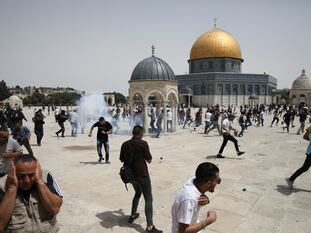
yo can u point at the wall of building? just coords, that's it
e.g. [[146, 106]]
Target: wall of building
[[215, 65]]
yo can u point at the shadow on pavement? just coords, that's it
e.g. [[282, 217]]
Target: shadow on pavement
[[92, 163], [215, 157], [285, 190], [79, 147], [110, 219]]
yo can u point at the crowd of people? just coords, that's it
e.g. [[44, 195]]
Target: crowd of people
[[26, 190]]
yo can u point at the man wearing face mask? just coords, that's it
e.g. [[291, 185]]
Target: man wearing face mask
[[9, 149], [29, 198], [187, 204]]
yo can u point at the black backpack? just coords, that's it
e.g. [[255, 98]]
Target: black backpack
[[126, 172]]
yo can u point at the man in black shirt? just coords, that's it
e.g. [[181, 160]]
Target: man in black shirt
[[286, 119], [135, 153], [104, 128], [61, 118]]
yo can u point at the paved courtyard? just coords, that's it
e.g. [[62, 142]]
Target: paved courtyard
[[252, 198]]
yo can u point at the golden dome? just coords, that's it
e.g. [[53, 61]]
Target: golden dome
[[215, 43]]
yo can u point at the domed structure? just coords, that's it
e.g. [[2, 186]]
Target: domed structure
[[215, 74], [300, 94], [153, 89], [14, 101], [302, 82], [152, 68], [216, 43], [215, 51]]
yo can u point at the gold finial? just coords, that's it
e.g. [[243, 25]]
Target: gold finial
[[215, 21], [152, 50]]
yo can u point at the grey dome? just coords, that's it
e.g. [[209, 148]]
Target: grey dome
[[302, 82], [152, 68], [186, 91]]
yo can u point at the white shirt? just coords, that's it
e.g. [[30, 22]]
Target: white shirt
[[226, 124], [11, 145], [74, 117], [185, 208], [169, 116], [208, 116]]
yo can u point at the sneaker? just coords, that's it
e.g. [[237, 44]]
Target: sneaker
[[133, 217], [289, 182], [108, 162], [220, 156], [100, 160], [153, 230], [56, 134], [241, 152]]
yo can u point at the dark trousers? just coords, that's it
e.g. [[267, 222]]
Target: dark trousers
[[248, 123], [152, 125], [301, 127], [26, 143], [186, 121], [275, 119], [242, 125], [207, 125], [39, 134], [159, 129], [287, 126], [228, 137], [142, 185], [305, 167], [62, 129], [214, 126], [100, 144]]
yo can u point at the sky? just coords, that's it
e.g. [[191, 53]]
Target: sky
[[94, 45]]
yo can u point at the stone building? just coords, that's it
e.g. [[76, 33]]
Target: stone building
[[153, 85], [215, 75], [300, 94]]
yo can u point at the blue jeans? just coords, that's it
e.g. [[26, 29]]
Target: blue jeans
[[142, 185], [100, 144], [242, 129], [74, 129]]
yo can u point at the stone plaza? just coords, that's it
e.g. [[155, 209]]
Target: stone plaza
[[252, 198]]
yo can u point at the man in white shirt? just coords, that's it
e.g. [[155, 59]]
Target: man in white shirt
[[226, 127], [9, 149], [187, 204], [169, 120], [208, 116]]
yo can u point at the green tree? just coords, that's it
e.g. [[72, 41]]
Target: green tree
[[64, 98], [4, 91], [35, 99], [119, 98]]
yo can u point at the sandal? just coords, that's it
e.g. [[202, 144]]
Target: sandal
[[133, 217]]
